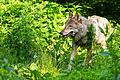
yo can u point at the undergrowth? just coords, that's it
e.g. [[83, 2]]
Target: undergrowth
[[31, 47]]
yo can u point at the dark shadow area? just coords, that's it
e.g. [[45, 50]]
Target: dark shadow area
[[19, 43], [108, 9]]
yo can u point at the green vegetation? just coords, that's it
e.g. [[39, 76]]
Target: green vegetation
[[31, 47]]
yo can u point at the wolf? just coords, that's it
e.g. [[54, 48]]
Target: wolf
[[85, 32]]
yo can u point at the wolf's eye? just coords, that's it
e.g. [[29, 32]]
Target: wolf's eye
[[70, 25]]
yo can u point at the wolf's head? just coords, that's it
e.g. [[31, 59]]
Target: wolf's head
[[72, 25]]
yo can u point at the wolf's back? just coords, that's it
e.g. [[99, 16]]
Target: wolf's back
[[103, 27]]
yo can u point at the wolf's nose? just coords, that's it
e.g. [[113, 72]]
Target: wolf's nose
[[61, 32]]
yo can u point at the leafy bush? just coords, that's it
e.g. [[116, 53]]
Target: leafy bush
[[32, 48]]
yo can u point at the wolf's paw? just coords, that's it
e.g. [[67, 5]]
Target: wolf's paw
[[69, 67]]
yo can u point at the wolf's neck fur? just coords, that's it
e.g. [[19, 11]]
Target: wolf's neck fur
[[82, 30]]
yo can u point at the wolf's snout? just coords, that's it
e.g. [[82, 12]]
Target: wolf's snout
[[63, 33]]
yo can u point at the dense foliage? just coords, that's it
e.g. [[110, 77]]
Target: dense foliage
[[31, 47]]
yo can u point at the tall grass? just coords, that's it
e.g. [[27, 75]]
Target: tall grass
[[32, 48]]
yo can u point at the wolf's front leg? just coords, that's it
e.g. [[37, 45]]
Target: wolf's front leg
[[74, 46]]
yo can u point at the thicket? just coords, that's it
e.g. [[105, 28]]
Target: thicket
[[31, 47]]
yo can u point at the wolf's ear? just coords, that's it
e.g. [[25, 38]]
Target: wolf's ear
[[77, 16], [80, 21], [88, 17], [70, 14]]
